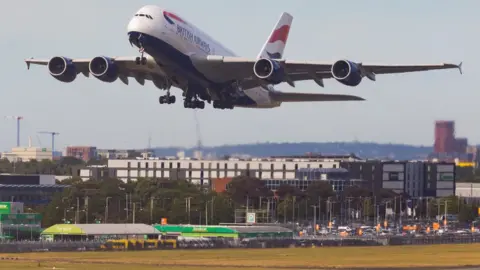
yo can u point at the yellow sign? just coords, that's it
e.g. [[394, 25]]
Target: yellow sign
[[478, 211], [465, 164], [3, 206]]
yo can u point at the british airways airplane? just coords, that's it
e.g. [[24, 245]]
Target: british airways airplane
[[173, 52]]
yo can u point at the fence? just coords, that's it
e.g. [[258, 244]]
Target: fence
[[31, 246], [41, 246]]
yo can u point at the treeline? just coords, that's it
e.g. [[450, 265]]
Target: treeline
[[180, 202], [63, 166]]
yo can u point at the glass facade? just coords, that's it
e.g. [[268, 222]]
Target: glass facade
[[30, 194], [337, 177]]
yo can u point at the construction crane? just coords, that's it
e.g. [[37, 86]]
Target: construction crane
[[18, 118], [53, 133]]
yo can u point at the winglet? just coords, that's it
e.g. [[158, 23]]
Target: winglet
[[28, 63], [460, 67]]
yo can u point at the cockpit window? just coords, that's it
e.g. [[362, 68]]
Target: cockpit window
[[144, 15]]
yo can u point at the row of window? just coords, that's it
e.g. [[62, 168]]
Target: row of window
[[225, 166], [337, 185], [144, 15]]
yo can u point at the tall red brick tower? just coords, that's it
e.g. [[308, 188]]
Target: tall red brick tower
[[444, 137]]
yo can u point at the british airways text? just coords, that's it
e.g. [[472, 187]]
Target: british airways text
[[190, 37]]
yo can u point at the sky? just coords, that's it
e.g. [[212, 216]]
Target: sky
[[399, 108]]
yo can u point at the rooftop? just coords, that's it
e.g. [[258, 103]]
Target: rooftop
[[101, 229]]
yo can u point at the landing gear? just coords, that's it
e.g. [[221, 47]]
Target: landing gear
[[192, 101], [217, 104], [194, 104], [167, 99], [141, 60]]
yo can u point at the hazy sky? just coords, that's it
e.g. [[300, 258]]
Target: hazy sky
[[399, 108]]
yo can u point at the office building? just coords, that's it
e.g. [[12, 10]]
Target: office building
[[28, 189], [84, 153], [444, 137], [415, 178]]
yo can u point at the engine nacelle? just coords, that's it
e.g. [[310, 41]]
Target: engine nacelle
[[62, 69], [104, 69], [269, 70], [347, 72]]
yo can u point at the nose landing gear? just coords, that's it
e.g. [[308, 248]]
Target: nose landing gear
[[142, 60]]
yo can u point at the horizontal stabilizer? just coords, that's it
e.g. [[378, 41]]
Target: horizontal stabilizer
[[307, 97]]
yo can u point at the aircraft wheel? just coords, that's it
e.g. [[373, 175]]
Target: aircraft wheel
[[171, 99], [161, 100], [143, 60]]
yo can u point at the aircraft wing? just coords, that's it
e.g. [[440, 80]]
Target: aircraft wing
[[127, 68], [307, 97], [241, 69]]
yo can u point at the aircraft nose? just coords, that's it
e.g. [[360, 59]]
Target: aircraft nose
[[139, 25]]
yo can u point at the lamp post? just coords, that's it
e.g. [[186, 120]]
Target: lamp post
[[151, 209], [314, 219], [106, 208]]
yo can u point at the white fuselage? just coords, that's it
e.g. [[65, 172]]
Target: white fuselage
[[175, 44]]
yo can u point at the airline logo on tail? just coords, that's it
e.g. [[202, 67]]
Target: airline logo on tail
[[279, 35], [275, 44]]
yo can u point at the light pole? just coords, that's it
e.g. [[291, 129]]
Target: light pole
[[77, 212], [64, 210], [187, 207], [134, 209], [151, 209], [314, 219], [106, 208]]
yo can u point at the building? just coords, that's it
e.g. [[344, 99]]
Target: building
[[444, 137], [236, 232], [84, 153], [118, 153], [28, 153], [76, 232], [16, 224], [416, 178], [337, 177], [96, 172], [28, 189], [461, 145], [201, 171]]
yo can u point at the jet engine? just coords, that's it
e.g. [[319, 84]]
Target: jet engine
[[269, 70], [62, 69], [104, 69], [347, 72]]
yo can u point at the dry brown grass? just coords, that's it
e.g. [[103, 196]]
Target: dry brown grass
[[298, 258]]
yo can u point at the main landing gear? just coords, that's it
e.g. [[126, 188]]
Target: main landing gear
[[167, 99], [192, 101], [194, 104]]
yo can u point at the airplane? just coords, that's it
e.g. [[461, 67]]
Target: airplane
[[173, 52]]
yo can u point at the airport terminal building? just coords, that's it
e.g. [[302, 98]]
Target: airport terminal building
[[416, 178]]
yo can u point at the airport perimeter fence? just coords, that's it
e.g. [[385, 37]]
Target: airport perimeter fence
[[42, 246], [63, 246], [434, 240]]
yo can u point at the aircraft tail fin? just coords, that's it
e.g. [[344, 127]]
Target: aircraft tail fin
[[275, 44]]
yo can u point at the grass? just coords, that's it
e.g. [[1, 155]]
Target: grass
[[249, 259]]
